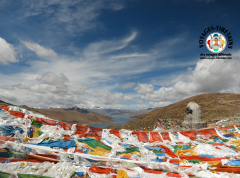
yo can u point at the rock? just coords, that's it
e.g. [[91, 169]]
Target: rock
[[193, 116]]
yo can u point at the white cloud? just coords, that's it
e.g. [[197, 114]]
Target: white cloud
[[94, 69], [22, 86], [159, 104], [208, 76], [49, 99], [41, 51], [8, 97], [98, 71], [94, 50], [98, 65], [144, 89], [108, 98], [43, 88], [139, 101], [7, 52], [162, 95], [128, 85], [7, 87], [52, 79], [50, 83], [128, 55], [128, 98], [77, 89]]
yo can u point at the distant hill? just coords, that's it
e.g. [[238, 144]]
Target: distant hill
[[135, 114], [122, 112], [73, 115], [208, 103], [78, 110], [110, 112]]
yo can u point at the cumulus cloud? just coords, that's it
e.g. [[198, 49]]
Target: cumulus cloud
[[128, 85], [139, 101], [45, 88], [164, 95], [22, 86], [50, 83], [7, 96], [52, 78], [144, 89], [159, 104], [41, 51], [7, 87], [77, 89], [208, 76], [7, 52], [128, 98], [49, 99], [108, 98]]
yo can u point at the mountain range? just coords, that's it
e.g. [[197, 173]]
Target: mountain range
[[73, 115], [122, 112]]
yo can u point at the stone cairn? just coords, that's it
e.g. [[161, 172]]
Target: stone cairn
[[193, 117]]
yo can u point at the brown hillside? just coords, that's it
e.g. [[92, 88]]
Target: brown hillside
[[135, 114], [72, 116], [112, 127], [208, 103]]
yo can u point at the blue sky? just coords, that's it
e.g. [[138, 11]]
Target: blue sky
[[131, 54]]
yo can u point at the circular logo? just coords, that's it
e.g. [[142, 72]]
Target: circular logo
[[216, 42]]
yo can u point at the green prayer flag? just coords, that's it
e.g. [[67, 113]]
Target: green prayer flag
[[224, 140], [4, 175], [40, 133], [194, 161], [35, 124], [10, 154], [31, 176], [130, 150]]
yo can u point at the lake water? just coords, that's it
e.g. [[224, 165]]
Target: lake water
[[120, 119]]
